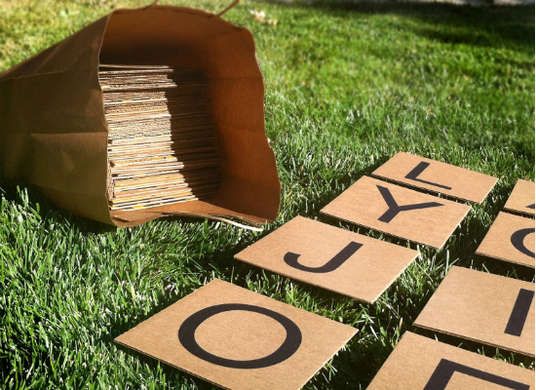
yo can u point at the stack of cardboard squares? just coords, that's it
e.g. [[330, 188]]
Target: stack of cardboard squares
[[162, 145]]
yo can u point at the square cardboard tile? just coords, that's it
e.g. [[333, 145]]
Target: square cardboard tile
[[436, 176], [325, 256], [235, 338], [521, 199], [422, 363], [486, 308], [510, 238], [398, 211]]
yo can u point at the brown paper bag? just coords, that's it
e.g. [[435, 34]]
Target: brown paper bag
[[53, 131]]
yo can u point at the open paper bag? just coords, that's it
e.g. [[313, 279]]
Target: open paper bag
[[54, 132]]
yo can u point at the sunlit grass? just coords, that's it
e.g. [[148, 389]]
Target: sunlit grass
[[346, 87]]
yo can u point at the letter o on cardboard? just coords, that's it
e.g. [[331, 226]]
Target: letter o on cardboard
[[288, 347]]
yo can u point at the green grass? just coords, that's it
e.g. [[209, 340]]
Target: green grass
[[346, 87]]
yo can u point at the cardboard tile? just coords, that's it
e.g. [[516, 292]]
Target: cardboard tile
[[422, 363], [510, 238], [521, 199], [398, 211], [238, 339], [325, 256], [486, 308], [436, 176]]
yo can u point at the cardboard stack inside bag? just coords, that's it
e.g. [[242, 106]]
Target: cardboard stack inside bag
[[162, 145]]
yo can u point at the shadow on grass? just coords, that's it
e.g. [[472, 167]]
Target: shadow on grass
[[447, 23], [36, 201], [171, 373], [511, 357]]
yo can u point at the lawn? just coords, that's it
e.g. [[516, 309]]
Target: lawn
[[347, 86]]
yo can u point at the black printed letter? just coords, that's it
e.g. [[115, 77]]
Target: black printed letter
[[519, 312], [419, 168], [446, 368], [334, 263], [394, 208], [290, 344], [517, 239]]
